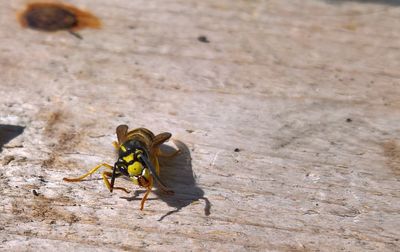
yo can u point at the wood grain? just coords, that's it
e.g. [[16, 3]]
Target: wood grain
[[308, 91]]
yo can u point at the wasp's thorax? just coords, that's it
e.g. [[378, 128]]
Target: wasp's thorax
[[129, 162]]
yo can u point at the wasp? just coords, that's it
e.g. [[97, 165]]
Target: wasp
[[138, 152]]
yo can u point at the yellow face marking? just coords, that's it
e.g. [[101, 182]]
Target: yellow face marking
[[135, 169], [123, 148], [135, 180], [128, 158], [146, 174], [138, 152]]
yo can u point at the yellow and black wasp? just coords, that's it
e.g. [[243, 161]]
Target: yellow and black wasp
[[138, 152]]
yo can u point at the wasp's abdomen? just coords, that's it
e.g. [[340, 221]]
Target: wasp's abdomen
[[142, 135]]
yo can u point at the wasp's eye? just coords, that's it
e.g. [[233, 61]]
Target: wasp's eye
[[122, 168]]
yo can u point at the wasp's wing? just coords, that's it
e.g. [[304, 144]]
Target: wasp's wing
[[121, 133], [161, 138]]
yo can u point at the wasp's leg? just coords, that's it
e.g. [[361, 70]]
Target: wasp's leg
[[116, 145], [89, 173], [169, 155], [107, 175], [148, 190], [145, 198]]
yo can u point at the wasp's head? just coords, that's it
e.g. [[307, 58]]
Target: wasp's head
[[133, 162], [131, 165]]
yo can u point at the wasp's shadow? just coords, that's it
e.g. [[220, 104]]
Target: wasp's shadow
[[177, 173], [9, 132]]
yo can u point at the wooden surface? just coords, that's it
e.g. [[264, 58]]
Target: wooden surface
[[307, 90]]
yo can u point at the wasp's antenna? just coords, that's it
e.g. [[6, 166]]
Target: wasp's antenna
[[113, 178], [154, 174]]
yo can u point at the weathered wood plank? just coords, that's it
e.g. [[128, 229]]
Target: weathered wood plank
[[307, 91]]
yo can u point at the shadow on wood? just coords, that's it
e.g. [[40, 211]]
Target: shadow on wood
[[8, 132], [178, 174]]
